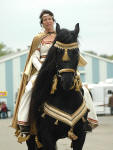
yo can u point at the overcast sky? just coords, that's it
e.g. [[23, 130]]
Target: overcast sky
[[19, 22]]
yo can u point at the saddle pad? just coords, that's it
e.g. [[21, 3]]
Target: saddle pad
[[64, 117]]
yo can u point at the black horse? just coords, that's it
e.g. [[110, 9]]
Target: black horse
[[57, 104]]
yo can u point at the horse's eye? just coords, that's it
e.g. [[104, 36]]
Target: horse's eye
[[60, 51], [72, 52]]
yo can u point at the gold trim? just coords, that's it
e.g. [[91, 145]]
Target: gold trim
[[45, 15], [65, 56], [43, 56], [54, 86], [66, 46], [62, 116], [66, 70], [38, 142], [23, 138]]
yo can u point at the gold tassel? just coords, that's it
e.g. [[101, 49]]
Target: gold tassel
[[17, 132], [65, 56], [71, 135], [77, 86], [43, 115], [80, 84], [54, 84], [83, 119], [39, 145], [79, 81], [71, 88], [71, 144], [22, 138], [56, 122]]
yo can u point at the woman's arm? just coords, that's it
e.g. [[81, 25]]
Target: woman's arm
[[36, 60]]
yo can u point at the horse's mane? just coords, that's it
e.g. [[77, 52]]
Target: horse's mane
[[43, 83]]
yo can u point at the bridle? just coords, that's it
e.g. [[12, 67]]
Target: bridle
[[65, 57], [77, 82], [66, 70], [59, 72]]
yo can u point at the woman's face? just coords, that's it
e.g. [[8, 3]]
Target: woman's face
[[48, 23]]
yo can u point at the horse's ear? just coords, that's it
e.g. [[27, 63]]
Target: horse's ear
[[76, 30], [57, 28]]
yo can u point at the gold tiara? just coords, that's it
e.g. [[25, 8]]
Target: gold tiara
[[46, 15]]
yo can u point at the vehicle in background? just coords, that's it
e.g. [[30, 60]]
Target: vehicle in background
[[101, 93]]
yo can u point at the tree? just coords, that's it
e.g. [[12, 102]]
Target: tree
[[4, 50], [91, 52], [106, 56], [102, 55]]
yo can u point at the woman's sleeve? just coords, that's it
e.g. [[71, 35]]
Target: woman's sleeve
[[36, 59]]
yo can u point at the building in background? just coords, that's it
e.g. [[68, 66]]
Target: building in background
[[11, 67]]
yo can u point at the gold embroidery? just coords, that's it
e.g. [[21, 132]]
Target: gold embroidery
[[66, 46], [43, 56], [66, 70], [54, 86], [62, 116]]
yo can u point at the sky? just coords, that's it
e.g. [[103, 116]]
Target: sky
[[19, 22]]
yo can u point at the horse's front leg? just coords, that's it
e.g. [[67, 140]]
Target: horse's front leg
[[47, 140], [46, 134], [31, 144], [78, 144]]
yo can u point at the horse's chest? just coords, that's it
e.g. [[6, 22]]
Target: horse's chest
[[66, 103], [63, 116]]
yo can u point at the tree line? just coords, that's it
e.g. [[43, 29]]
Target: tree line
[[4, 50], [110, 57]]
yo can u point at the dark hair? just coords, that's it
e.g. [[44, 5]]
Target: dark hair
[[45, 11]]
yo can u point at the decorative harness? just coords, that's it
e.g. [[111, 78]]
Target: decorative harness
[[59, 115]]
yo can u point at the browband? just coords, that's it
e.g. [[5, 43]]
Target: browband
[[66, 46]]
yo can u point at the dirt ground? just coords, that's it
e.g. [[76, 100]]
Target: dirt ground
[[100, 139]]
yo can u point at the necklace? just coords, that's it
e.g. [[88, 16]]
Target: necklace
[[51, 32]]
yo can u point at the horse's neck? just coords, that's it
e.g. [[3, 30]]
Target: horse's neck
[[67, 101]]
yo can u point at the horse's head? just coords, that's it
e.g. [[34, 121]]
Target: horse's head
[[67, 55]]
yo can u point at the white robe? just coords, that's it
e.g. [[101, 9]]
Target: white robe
[[92, 117], [36, 60]]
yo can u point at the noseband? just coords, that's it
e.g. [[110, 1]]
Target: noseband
[[77, 82], [66, 70]]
